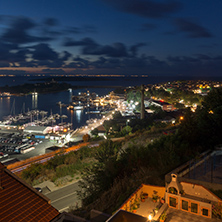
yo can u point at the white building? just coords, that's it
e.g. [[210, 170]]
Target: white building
[[37, 129]]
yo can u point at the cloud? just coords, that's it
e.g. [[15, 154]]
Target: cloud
[[173, 65], [18, 32], [53, 71], [90, 47], [5, 49], [203, 57], [114, 50], [193, 29], [134, 48], [65, 55], [79, 63], [42, 51], [146, 8], [43, 55], [83, 42], [11, 54]]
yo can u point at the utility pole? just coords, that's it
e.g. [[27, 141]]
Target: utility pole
[[142, 102]]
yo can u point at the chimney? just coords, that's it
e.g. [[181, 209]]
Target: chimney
[[142, 102], [174, 183]]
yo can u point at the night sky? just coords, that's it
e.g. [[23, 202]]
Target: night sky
[[152, 37]]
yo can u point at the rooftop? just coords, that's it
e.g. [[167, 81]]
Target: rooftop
[[21, 202]]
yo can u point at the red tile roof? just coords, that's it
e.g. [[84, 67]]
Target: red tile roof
[[21, 202]]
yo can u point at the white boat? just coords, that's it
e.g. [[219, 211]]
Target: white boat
[[78, 107]]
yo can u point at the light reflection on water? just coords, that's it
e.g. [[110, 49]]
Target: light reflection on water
[[34, 100], [46, 102], [78, 115]]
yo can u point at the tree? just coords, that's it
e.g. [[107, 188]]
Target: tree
[[106, 150], [86, 137], [126, 130], [95, 132], [188, 128], [213, 100], [117, 115]]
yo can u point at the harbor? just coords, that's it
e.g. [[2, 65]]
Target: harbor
[[31, 133]]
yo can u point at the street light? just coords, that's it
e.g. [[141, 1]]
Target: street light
[[150, 217]]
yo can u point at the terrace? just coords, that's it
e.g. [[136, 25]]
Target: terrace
[[147, 201]]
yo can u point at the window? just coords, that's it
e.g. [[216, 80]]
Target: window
[[172, 202], [194, 208], [205, 212], [185, 205]]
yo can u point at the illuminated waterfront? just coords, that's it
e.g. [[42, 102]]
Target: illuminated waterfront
[[46, 102]]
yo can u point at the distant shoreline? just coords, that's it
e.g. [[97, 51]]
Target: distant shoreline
[[81, 87], [52, 87], [75, 78]]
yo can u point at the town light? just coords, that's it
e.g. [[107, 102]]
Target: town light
[[150, 217]]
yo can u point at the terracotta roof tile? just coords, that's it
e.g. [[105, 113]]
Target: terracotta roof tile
[[19, 202]]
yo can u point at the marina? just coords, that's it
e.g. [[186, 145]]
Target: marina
[[43, 109], [30, 132]]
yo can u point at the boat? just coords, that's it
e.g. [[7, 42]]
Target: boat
[[78, 107], [93, 112], [71, 107]]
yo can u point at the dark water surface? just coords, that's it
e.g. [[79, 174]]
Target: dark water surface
[[48, 102]]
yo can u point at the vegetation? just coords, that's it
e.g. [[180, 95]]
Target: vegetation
[[114, 170], [117, 176], [175, 96], [86, 138], [163, 216], [59, 166], [37, 87]]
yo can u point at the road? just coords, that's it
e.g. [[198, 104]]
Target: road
[[65, 197]]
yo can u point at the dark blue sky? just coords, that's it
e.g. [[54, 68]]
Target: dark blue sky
[[153, 37]]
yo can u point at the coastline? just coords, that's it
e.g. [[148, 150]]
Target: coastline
[[16, 90]]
